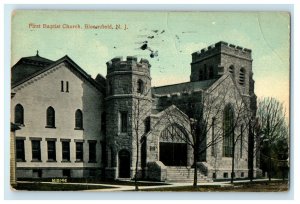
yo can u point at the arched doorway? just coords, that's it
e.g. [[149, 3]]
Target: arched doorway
[[124, 164], [173, 146]]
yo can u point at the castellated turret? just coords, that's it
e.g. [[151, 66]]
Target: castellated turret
[[221, 58], [128, 100], [122, 75]]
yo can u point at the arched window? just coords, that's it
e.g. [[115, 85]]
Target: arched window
[[228, 131], [140, 86], [174, 133], [242, 76], [50, 117], [78, 120], [19, 114], [231, 69]]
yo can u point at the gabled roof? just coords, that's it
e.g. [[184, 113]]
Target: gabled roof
[[65, 59], [171, 109], [223, 78], [220, 80]]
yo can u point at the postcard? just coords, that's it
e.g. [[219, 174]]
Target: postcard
[[149, 101]]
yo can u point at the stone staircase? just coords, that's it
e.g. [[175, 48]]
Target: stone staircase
[[183, 174]]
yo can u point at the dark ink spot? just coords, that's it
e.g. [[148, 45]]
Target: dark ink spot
[[151, 37], [155, 31], [144, 46], [154, 54], [162, 32]]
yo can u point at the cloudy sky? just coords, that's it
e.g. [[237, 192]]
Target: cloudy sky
[[170, 39]]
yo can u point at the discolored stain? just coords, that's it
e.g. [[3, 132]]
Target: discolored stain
[[144, 46]]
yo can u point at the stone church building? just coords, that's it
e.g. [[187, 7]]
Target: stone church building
[[74, 126]]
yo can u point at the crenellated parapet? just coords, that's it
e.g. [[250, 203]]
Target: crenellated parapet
[[130, 64], [221, 48]]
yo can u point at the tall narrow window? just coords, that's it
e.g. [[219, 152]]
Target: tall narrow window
[[78, 120], [147, 124], [242, 76], [65, 151], [67, 86], [231, 69], [79, 151], [140, 86], [51, 151], [123, 122], [228, 131], [36, 150], [92, 151], [19, 114], [50, 117], [62, 86], [213, 145], [20, 150], [241, 140]]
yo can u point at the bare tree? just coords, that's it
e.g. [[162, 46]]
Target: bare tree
[[205, 113], [271, 118], [240, 117], [140, 115]]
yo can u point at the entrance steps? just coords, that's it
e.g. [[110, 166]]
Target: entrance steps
[[183, 174]]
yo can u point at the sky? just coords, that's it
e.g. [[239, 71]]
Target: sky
[[170, 38]]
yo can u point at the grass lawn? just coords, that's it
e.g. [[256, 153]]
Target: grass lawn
[[259, 186], [56, 187]]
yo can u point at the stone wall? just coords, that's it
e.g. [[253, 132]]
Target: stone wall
[[123, 96], [223, 94]]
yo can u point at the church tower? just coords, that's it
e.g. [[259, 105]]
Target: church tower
[[128, 105], [221, 58]]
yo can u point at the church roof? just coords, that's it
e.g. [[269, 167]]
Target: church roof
[[29, 67], [183, 87], [38, 59]]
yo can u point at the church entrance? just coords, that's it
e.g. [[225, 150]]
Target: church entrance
[[173, 146], [173, 154], [124, 164]]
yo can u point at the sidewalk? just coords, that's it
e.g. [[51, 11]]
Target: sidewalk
[[168, 185], [116, 188]]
